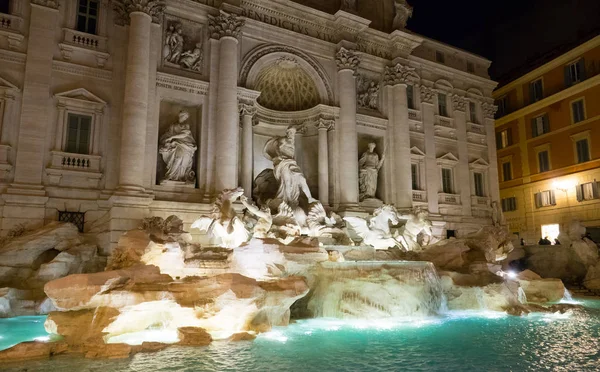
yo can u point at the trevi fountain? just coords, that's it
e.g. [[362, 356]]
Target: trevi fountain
[[285, 283]]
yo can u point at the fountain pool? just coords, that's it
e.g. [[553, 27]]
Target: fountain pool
[[456, 341]]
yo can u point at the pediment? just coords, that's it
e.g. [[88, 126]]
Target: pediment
[[80, 94], [448, 157], [415, 151], [479, 163], [5, 84]]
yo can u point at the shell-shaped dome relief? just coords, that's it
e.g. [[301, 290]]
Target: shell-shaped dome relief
[[285, 86]]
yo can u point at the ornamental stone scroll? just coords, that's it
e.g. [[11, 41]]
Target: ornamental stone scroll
[[122, 8], [225, 24], [489, 110], [346, 59], [399, 74], [459, 103], [427, 95]]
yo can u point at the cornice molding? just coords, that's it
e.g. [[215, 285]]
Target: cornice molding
[[75, 69], [53, 4]]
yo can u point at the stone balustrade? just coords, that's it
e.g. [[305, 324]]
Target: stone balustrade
[[11, 22], [80, 162], [419, 196], [475, 128], [480, 201], [444, 198], [84, 40]]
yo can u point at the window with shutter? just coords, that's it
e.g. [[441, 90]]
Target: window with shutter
[[87, 16], [447, 182], [414, 171], [442, 108], [543, 161], [410, 95], [509, 204], [536, 91], [583, 151], [545, 199], [78, 134], [506, 171], [578, 110], [479, 186], [473, 112]]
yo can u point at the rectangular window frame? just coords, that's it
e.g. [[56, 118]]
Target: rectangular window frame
[[540, 125], [502, 105], [509, 204], [506, 176], [415, 176], [442, 104], [447, 181], [571, 105], [575, 138], [87, 17], [545, 198], [410, 97], [535, 94], [588, 191], [504, 139], [473, 117], [479, 184], [79, 116], [543, 167]]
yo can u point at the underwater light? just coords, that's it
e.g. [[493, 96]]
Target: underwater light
[[41, 339]]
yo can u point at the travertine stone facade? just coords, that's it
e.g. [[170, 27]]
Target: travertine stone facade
[[84, 105]]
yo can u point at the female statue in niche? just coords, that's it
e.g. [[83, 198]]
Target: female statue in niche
[[177, 147], [282, 151], [369, 165]]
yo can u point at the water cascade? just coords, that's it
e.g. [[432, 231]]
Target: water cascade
[[568, 299], [521, 296], [375, 290]]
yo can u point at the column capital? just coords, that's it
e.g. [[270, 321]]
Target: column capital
[[247, 109], [489, 110], [346, 59], [459, 103], [325, 124], [427, 94], [47, 3], [399, 74], [225, 24], [123, 8]]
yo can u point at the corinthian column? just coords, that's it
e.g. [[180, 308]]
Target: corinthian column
[[489, 111], [396, 78], [459, 105], [247, 112], [347, 63], [226, 28], [139, 14], [432, 172], [323, 126]]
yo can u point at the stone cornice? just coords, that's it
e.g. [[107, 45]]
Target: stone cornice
[[399, 74], [225, 24], [47, 3], [75, 69], [123, 8], [346, 59]]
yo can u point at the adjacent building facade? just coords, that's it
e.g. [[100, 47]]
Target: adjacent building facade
[[92, 94], [548, 141]]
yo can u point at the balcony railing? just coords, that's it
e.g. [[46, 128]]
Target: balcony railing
[[475, 128], [480, 201], [85, 40], [419, 195], [77, 162], [444, 198], [10, 22]]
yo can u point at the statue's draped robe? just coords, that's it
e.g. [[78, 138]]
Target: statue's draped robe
[[286, 169], [177, 148], [369, 170]]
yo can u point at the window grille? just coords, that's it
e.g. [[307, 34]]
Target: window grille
[[76, 218]]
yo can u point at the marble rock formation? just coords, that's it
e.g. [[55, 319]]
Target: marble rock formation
[[539, 290], [493, 241], [570, 263], [449, 254], [141, 297], [29, 261], [592, 277]]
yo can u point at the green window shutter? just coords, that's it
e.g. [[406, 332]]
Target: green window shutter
[[552, 198], [509, 136], [534, 132], [568, 81], [546, 123], [581, 65], [595, 189], [498, 140], [579, 190], [531, 92], [538, 199]]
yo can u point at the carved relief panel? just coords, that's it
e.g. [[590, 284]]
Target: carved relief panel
[[183, 44]]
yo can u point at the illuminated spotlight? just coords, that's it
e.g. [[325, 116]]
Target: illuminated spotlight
[[42, 339]]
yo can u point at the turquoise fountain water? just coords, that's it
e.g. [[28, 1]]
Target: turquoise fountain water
[[466, 341]]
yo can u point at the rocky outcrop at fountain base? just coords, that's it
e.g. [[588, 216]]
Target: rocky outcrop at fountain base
[[30, 259], [160, 288]]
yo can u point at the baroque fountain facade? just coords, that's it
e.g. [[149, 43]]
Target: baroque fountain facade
[[245, 166]]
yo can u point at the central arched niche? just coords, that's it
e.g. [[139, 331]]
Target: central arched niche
[[286, 86]]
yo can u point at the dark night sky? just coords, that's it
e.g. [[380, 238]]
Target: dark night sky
[[508, 32]]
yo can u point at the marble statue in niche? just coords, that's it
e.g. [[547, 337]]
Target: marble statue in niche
[[174, 51], [368, 93], [292, 183], [403, 12], [177, 148], [369, 165]]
